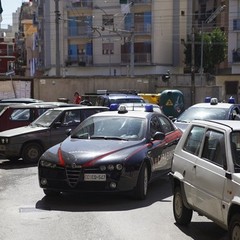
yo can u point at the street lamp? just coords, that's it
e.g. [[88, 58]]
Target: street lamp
[[209, 20]]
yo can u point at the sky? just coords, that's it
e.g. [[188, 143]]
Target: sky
[[9, 7]]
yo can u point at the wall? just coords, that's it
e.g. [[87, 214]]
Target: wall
[[50, 89]]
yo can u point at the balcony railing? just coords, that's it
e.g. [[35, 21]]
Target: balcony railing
[[142, 1], [139, 58], [79, 60], [79, 3], [80, 31]]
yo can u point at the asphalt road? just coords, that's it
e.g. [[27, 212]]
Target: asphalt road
[[26, 214]]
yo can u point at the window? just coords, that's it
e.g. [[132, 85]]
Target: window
[[155, 126], [166, 125], [107, 48], [214, 147], [107, 20], [194, 140], [71, 117], [20, 115], [235, 147]]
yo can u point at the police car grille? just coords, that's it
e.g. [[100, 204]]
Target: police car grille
[[73, 176]]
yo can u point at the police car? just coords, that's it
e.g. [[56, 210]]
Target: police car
[[114, 151], [211, 109]]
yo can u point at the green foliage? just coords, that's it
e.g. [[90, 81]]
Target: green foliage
[[214, 50]]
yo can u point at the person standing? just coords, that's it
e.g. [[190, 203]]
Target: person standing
[[77, 98]]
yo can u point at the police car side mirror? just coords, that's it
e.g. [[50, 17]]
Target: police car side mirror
[[68, 132], [158, 136]]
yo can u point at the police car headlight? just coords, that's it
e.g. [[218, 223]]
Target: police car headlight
[[4, 140], [119, 167], [48, 164]]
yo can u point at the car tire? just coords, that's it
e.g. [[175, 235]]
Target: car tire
[[182, 214], [32, 152], [234, 227], [51, 193], [142, 183]]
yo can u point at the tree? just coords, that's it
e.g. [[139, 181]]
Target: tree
[[214, 50]]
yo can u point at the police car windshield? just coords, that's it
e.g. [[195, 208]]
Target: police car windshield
[[203, 113], [111, 127]]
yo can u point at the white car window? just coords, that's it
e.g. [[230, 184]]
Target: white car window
[[214, 147], [194, 140]]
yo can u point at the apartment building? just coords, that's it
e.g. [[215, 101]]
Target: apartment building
[[234, 36], [112, 38]]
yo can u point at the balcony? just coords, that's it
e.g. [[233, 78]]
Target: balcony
[[141, 28], [236, 24], [142, 1], [83, 31], [79, 60], [79, 4], [139, 58]]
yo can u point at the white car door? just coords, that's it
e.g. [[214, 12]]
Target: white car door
[[210, 175]]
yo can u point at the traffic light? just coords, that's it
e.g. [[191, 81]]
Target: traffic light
[[166, 77]]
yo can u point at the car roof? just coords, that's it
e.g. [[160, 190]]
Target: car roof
[[120, 96], [141, 114], [81, 107], [141, 106], [20, 100], [209, 105], [56, 104], [233, 124], [32, 106]]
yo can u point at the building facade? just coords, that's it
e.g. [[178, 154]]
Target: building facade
[[234, 36], [112, 38]]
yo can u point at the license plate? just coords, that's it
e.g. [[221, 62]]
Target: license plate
[[91, 177]]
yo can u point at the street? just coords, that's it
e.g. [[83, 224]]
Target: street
[[26, 213]]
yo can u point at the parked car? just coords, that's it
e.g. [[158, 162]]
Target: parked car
[[137, 107], [208, 111], [31, 141], [206, 174], [118, 98], [4, 105], [114, 151], [19, 100], [18, 115]]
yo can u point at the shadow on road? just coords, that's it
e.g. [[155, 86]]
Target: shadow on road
[[18, 164], [204, 231], [158, 191]]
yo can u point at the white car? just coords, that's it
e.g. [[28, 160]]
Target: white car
[[212, 110], [205, 174]]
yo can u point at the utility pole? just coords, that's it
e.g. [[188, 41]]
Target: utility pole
[[132, 44], [193, 67], [57, 15]]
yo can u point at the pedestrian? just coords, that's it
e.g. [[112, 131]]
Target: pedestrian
[[77, 98]]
